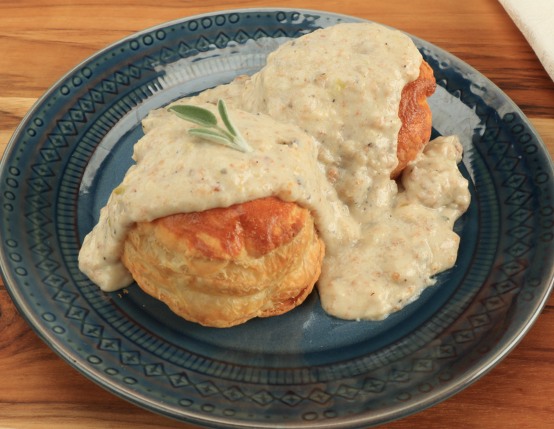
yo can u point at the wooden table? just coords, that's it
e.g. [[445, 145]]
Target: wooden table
[[42, 39]]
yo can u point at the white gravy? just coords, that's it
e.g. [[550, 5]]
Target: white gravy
[[325, 136]]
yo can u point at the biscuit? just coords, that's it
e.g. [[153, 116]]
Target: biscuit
[[224, 266], [416, 117]]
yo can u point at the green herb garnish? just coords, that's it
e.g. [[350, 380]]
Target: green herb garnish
[[210, 130]]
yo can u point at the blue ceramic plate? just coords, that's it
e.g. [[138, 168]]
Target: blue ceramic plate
[[304, 369]]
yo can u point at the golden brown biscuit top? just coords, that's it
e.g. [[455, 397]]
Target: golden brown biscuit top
[[256, 227]]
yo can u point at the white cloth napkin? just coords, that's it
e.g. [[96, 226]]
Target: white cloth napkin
[[535, 19]]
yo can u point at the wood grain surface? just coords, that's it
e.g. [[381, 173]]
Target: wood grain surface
[[40, 40]]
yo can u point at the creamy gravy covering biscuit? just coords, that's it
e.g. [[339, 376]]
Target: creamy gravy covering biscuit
[[333, 118], [177, 173]]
